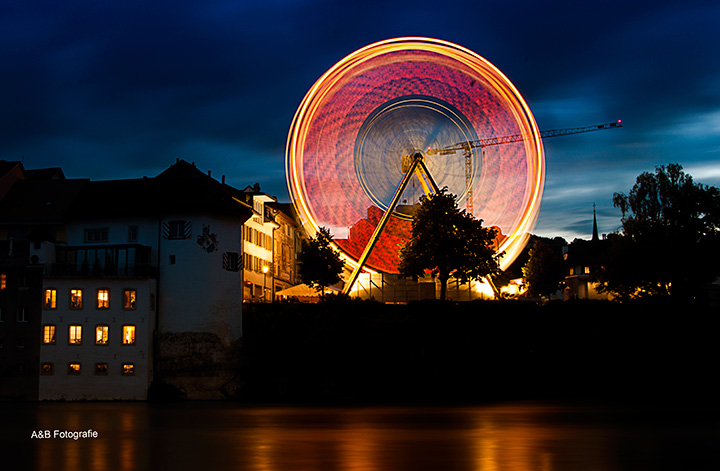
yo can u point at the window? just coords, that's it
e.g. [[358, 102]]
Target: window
[[258, 206], [586, 270], [50, 298], [129, 299], [128, 335], [76, 299], [73, 368], [75, 334], [47, 369], [231, 261], [172, 260], [128, 369], [101, 369], [101, 334], [3, 281], [177, 230], [132, 233], [95, 236], [103, 299], [49, 334], [21, 315]]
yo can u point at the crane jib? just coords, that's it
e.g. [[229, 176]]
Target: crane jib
[[493, 141]]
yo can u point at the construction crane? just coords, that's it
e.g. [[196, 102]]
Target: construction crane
[[414, 164], [468, 146]]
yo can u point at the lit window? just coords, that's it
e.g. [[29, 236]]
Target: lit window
[[101, 335], [103, 299], [101, 368], [128, 369], [75, 334], [50, 298], [3, 281], [76, 296], [49, 334], [47, 369], [73, 368], [128, 335], [129, 298], [586, 270]]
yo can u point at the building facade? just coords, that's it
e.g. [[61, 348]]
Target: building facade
[[287, 246], [137, 281], [258, 246]]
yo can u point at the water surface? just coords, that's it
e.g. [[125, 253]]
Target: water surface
[[227, 436]]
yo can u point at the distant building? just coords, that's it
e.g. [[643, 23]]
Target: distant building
[[287, 246], [258, 249], [581, 259], [116, 284]]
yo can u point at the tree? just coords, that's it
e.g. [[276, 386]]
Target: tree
[[447, 241], [543, 270], [319, 264], [670, 240]]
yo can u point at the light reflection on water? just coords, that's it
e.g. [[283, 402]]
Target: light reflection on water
[[219, 436]]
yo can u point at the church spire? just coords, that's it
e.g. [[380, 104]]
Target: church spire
[[595, 237]]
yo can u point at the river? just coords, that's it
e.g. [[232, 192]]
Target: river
[[527, 436]]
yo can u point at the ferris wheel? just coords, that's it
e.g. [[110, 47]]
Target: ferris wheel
[[380, 128]]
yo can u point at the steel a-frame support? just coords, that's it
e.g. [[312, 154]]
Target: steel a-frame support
[[418, 166]]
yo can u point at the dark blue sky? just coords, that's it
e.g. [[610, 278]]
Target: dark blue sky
[[121, 89]]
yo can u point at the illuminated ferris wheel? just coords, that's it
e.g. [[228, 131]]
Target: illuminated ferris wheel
[[381, 128]]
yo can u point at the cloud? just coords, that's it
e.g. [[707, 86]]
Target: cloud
[[107, 90]]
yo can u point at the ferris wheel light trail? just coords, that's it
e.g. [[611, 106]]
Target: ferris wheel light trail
[[353, 130]]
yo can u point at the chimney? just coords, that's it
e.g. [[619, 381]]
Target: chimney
[[223, 179]]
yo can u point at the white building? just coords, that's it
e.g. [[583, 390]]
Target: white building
[[143, 282], [258, 254]]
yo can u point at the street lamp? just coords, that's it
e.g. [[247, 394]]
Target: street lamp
[[264, 270]]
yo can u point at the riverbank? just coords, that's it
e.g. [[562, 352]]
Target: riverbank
[[362, 351]]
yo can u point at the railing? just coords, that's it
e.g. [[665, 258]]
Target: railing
[[97, 271]]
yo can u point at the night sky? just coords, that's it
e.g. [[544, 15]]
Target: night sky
[[111, 90]]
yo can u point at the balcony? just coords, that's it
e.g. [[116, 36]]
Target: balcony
[[107, 261], [99, 271]]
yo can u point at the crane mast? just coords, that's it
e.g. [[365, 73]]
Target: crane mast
[[467, 148]]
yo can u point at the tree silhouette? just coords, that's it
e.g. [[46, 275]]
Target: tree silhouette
[[447, 241], [319, 264], [543, 271], [670, 239]]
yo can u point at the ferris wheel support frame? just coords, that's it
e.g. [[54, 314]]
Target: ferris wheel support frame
[[417, 166]]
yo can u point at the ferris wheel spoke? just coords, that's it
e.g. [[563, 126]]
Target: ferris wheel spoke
[[356, 131]]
